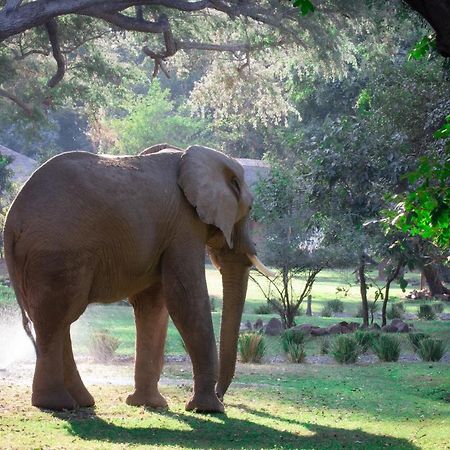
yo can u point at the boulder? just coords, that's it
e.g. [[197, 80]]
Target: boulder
[[444, 316], [389, 329], [274, 327], [317, 331], [305, 327], [338, 329], [353, 326], [400, 326], [258, 325], [244, 327], [374, 326]]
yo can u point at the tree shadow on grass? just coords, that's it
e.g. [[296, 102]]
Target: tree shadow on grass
[[221, 431]]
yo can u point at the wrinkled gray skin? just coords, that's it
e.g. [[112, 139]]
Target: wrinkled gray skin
[[88, 228]]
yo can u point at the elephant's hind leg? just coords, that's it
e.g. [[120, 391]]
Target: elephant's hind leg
[[49, 391], [72, 379], [151, 318]]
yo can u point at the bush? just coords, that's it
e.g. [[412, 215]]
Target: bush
[[438, 307], [345, 349], [373, 308], [396, 311], [102, 346], [426, 312], [251, 347], [325, 347], [326, 311], [296, 352], [431, 349], [366, 339], [337, 306], [292, 336], [387, 348], [415, 339], [212, 302], [264, 309]]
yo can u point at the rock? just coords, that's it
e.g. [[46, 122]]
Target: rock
[[353, 326], [444, 316], [374, 326], [338, 329], [258, 325], [274, 327], [389, 329], [249, 325], [400, 326], [244, 327], [317, 331], [305, 327]]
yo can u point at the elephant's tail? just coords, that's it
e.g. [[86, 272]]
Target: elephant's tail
[[11, 264]]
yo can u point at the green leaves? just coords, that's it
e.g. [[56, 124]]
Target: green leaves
[[305, 6], [423, 47], [444, 131]]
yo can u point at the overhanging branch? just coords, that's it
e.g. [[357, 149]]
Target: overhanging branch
[[52, 30], [26, 108]]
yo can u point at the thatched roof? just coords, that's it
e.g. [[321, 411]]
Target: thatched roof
[[21, 166]]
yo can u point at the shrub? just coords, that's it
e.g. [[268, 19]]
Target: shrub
[[373, 308], [431, 349], [396, 311], [326, 311], [292, 336], [212, 302], [296, 352], [337, 306], [103, 346], [365, 339], [387, 348], [426, 312], [251, 347], [325, 347], [345, 349], [415, 339], [438, 307], [264, 309]]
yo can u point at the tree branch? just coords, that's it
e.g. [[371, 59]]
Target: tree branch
[[52, 30], [26, 108]]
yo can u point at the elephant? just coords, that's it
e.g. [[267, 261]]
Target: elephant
[[91, 228]]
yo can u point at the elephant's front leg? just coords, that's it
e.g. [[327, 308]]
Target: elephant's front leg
[[151, 318], [187, 299]]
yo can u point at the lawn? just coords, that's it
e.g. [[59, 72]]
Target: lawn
[[368, 406], [402, 406]]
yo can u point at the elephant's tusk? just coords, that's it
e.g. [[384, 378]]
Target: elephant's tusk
[[260, 266], [214, 261]]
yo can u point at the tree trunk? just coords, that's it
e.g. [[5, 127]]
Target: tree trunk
[[385, 302], [308, 306], [363, 289], [434, 280]]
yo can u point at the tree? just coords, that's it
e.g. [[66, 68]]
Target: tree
[[5, 188]]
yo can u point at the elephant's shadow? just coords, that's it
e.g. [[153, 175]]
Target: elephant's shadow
[[221, 431]]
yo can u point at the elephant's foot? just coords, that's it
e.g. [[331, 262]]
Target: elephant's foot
[[152, 400], [203, 403], [81, 395], [55, 399]]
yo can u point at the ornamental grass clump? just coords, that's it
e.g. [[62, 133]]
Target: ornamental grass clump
[[426, 312], [345, 349], [102, 346], [337, 306], [326, 311], [251, 347], [438, 308], [325, 346], [387, 348], [431, 349], [415, 339], [293, 342], [365, 339], [396, 311]]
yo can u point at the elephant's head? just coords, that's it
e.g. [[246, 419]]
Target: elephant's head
[[214, 184]]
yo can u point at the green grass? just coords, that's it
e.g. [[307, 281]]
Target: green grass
[[300, 406]]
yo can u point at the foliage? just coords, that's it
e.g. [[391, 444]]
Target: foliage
[[426, 312], [438, 307], [365, 339], [336, 305], [103, 346], [296, 352], [431, 349], [423, 47], [251, 347], [416, 338], [264, 309], [326, 311], [387, 347], [396, 311], [292, 336], [345, 349], [147, 120]]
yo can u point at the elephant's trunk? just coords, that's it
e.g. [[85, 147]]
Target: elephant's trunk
[[234, 280]]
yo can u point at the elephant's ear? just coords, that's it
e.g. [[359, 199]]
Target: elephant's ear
[[210, 180]]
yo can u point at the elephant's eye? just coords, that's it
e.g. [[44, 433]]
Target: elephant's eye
[[235, 184]]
